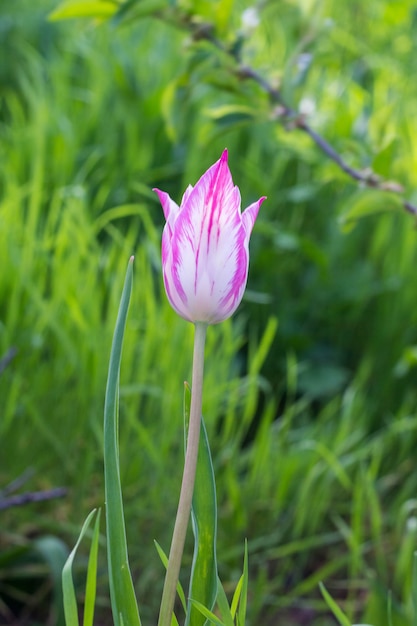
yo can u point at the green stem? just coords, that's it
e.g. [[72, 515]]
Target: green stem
[[188, 479]]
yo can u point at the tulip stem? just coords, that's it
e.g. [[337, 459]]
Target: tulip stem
[[188, 479]]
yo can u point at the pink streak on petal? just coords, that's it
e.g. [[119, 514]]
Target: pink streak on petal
[[250, 214], [218, 187], [173, 285], [212, 226], [218, 202], [186, 194], [205, 244], [169, 207]]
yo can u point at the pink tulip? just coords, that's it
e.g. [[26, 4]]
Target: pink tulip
[[205, 246]]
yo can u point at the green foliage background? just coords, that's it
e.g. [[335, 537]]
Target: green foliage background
[[310, 397]]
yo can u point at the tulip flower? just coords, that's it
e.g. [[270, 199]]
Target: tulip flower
[[205, 246], [205, 261]]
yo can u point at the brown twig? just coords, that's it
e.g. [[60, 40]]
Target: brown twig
[[8, 501], [32, 496], [286, 114], [366, 177]]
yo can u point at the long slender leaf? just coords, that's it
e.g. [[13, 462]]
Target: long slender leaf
[[203, 582], [70, 602], [164, 560], [209, 615], [91, 583], [223, 605], [414, 589], [336, 610], [122, 594], [83, 8], [244, 592], [236, 597]]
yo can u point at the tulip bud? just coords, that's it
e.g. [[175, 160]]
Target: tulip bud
[[205, 246]]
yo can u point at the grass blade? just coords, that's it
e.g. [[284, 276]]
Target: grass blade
[[83, 8], [203, 582], [164, 560], [236, 597], [414, 589], [70, 602], [122, 594], [244, 591], [335, 609], [208, 615], [223, 605], [240, 596], [91, 583]]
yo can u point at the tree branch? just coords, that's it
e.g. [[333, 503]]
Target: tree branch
[[32, 496], [294, 119], [8, 501]]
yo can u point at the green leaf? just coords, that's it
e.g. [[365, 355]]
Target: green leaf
[[244, 590], [236, 597], [336, 610], [172, 98], [70, 602], [164, 560], [83, 8], [365, 203], [240, 596], [209, 615], [227, 114], [383, 160], [414, 589], [133, 10], [203, 583], [223, 605], [123, 600], [91, 583]]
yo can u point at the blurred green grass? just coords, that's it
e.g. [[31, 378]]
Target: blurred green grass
[[312, 420]]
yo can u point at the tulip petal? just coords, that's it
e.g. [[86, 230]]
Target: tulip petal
[[169, 207], [250, 214], [205, 246], [186, 194]]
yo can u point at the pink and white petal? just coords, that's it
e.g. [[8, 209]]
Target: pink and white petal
[[228, 269], [236, 283], [205, 246], [186, 194], [249, 216], [169, 207], [174, 298], [209, 216], [210, 289], [211, 194], [176, 293], [218, 173], [185, 266], [166, 244]]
